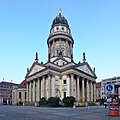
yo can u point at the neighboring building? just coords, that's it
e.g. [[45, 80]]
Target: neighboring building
[[98, 91], [19, 94], [6, 92], [14, 96], [115, 81], [61, 76]]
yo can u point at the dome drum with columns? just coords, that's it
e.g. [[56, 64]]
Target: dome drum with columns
[[60, 41], [61, 76]]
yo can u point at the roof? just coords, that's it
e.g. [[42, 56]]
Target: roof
[[22, 84], [8, 83], [60, 20], [51, 67], [113, 78], [98, 85]]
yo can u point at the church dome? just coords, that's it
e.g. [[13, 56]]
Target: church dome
[[60, 20]]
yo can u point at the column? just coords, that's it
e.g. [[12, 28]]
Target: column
[[40, 87], [49, 86], [72, 91], [83, 90], [38, 90], [43, 87], [27, 86], [91, 91], [94, 92], [78, 89], [66, 48], [53, 86], [71, 49], [30, 91], [74, 88], [54, 47], [69, 88], [33, 90], [87, 88]]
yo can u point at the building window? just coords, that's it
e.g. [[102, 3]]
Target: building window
[[62, 28], [64, 93], [19, 95], [64, 82], [57, 28]]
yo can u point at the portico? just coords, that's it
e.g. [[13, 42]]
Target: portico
[[81, 88]]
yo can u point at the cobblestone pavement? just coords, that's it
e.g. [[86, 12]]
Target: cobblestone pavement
[[38, 113]]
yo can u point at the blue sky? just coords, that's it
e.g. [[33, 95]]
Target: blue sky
[[25, 25]]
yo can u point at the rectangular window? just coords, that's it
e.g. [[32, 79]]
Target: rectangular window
[[64, 82]]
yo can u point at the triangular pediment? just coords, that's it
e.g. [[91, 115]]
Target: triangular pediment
[[35, 68], [86, 69]]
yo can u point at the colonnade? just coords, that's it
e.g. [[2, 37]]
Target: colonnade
[[82, 89], [67, 48]]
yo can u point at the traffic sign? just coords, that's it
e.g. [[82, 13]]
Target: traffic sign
[[109, 88]]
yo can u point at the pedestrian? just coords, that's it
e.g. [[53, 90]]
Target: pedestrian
[[105, 104]]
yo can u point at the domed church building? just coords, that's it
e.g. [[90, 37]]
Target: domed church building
[[60, 76]]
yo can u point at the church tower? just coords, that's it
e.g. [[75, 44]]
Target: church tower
[[60, 42], [60, 76]]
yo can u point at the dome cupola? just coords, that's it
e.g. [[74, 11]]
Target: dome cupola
[[60, 20], [60, 24]]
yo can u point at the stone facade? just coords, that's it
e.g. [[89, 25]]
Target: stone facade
[[19, 95], [6, 92], [60, 76], [98, 91]]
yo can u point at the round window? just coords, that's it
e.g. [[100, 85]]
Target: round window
[[62, 28], [57, 28]]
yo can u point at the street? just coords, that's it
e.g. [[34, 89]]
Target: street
[[38, 113]]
